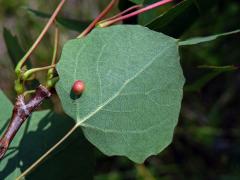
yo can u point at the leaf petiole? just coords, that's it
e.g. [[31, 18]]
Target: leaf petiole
[[50, 73], [98, 18], [55, 49], [40, 37], [140, 11], [122, 13], [30, 72]]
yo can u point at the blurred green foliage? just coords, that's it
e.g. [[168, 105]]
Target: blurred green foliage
[[206, 144]]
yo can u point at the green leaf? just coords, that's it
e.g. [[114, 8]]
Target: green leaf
[[133, 90], [176, 20], [198, 40], [14, 49], [68, 23], [35, 137]]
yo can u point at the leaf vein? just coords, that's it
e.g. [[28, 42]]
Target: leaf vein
[[80, 121]]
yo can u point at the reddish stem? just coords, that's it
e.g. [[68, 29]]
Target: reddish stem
[[142, 10], [36, 43], [20, 113], [98, 18], [123, 12]]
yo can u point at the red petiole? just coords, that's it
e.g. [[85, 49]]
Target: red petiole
[[123, 13], [98, 18], [142, 10]]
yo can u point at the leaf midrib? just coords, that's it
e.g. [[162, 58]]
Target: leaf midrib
[[122, 131], [79, 123]]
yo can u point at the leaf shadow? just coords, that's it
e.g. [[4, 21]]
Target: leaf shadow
[[73, 96], [35, 143]]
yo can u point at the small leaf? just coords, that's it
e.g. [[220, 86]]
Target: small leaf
[[198, 40], [71, 24], [133, 92]]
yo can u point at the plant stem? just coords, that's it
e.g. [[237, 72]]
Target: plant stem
[[142, 10], [122, 13], [20, 114], [36, 43], [98, 18], [34, 70], [55, 49]]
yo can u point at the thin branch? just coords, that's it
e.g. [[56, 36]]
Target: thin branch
[[21, 112], [36, 43], [98, 18]]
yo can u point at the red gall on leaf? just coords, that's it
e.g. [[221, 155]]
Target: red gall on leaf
[[78, 87]]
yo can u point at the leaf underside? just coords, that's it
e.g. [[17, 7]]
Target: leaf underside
[[133, 90]]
